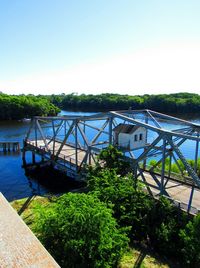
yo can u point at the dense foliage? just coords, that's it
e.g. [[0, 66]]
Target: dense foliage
[[190, 237], [131, 205], [165, 224], [19, 107], [112, 159], [80, 231], [168, 103], [157, 223]]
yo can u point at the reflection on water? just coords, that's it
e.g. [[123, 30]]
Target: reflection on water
[[15, 182]]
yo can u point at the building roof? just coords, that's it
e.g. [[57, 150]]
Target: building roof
[[125, 128]]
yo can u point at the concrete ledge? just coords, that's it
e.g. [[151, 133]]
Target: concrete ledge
[[19, 247]]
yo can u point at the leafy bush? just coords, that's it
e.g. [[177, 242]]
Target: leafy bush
[[131, 205], [190, 238], [112, 158], [79, 231], [164, 226], [155, 221]]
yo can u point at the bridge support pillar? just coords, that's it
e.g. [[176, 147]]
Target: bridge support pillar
[[42, 158], [162, 186], [4, 147], [110, 130], [24, 157], [190, 200], [33, 157]]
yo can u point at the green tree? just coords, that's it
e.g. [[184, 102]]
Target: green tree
[[112, 158], [18, 107], [190, 237], [164, 226], [80, 231], [173, 103], [131, 205]]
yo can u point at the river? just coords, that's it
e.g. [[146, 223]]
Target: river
[[14, 184]]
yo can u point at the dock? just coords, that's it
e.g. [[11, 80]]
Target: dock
[[9, 146]]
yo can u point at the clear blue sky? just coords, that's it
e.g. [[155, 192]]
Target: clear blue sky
[[123, 46]]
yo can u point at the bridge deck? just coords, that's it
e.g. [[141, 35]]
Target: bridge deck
[[67, 154]]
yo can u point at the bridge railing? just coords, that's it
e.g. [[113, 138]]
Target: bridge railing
[[99, 145], [173, 175], [180, 205]]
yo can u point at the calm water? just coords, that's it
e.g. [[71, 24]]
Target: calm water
[[14, 184]]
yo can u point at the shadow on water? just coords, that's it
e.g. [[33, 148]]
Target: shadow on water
[[55, 181]]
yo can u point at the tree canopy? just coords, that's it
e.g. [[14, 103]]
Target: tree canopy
[[80, 231], [22, 106], [19, 107], [168, 103]]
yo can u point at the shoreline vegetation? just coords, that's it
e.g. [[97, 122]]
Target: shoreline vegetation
[[15, 107], [180, 103]]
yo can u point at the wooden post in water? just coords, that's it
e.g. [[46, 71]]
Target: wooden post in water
[[4, 147], [10, 145], [24, 153], [33, 157], [24, 158], [18, 146]]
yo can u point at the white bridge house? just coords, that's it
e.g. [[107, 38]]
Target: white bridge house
[[130, 137]]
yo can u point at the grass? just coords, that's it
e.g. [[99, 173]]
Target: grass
[[142, 258], [134, 258], [26, 209]]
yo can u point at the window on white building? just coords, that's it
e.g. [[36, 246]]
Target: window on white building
[[135, 137]]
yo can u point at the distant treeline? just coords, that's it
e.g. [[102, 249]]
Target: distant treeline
[[26, 106], [168, 103], [18, 107]]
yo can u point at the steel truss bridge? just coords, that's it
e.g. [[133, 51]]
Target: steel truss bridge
[[72, 142]]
